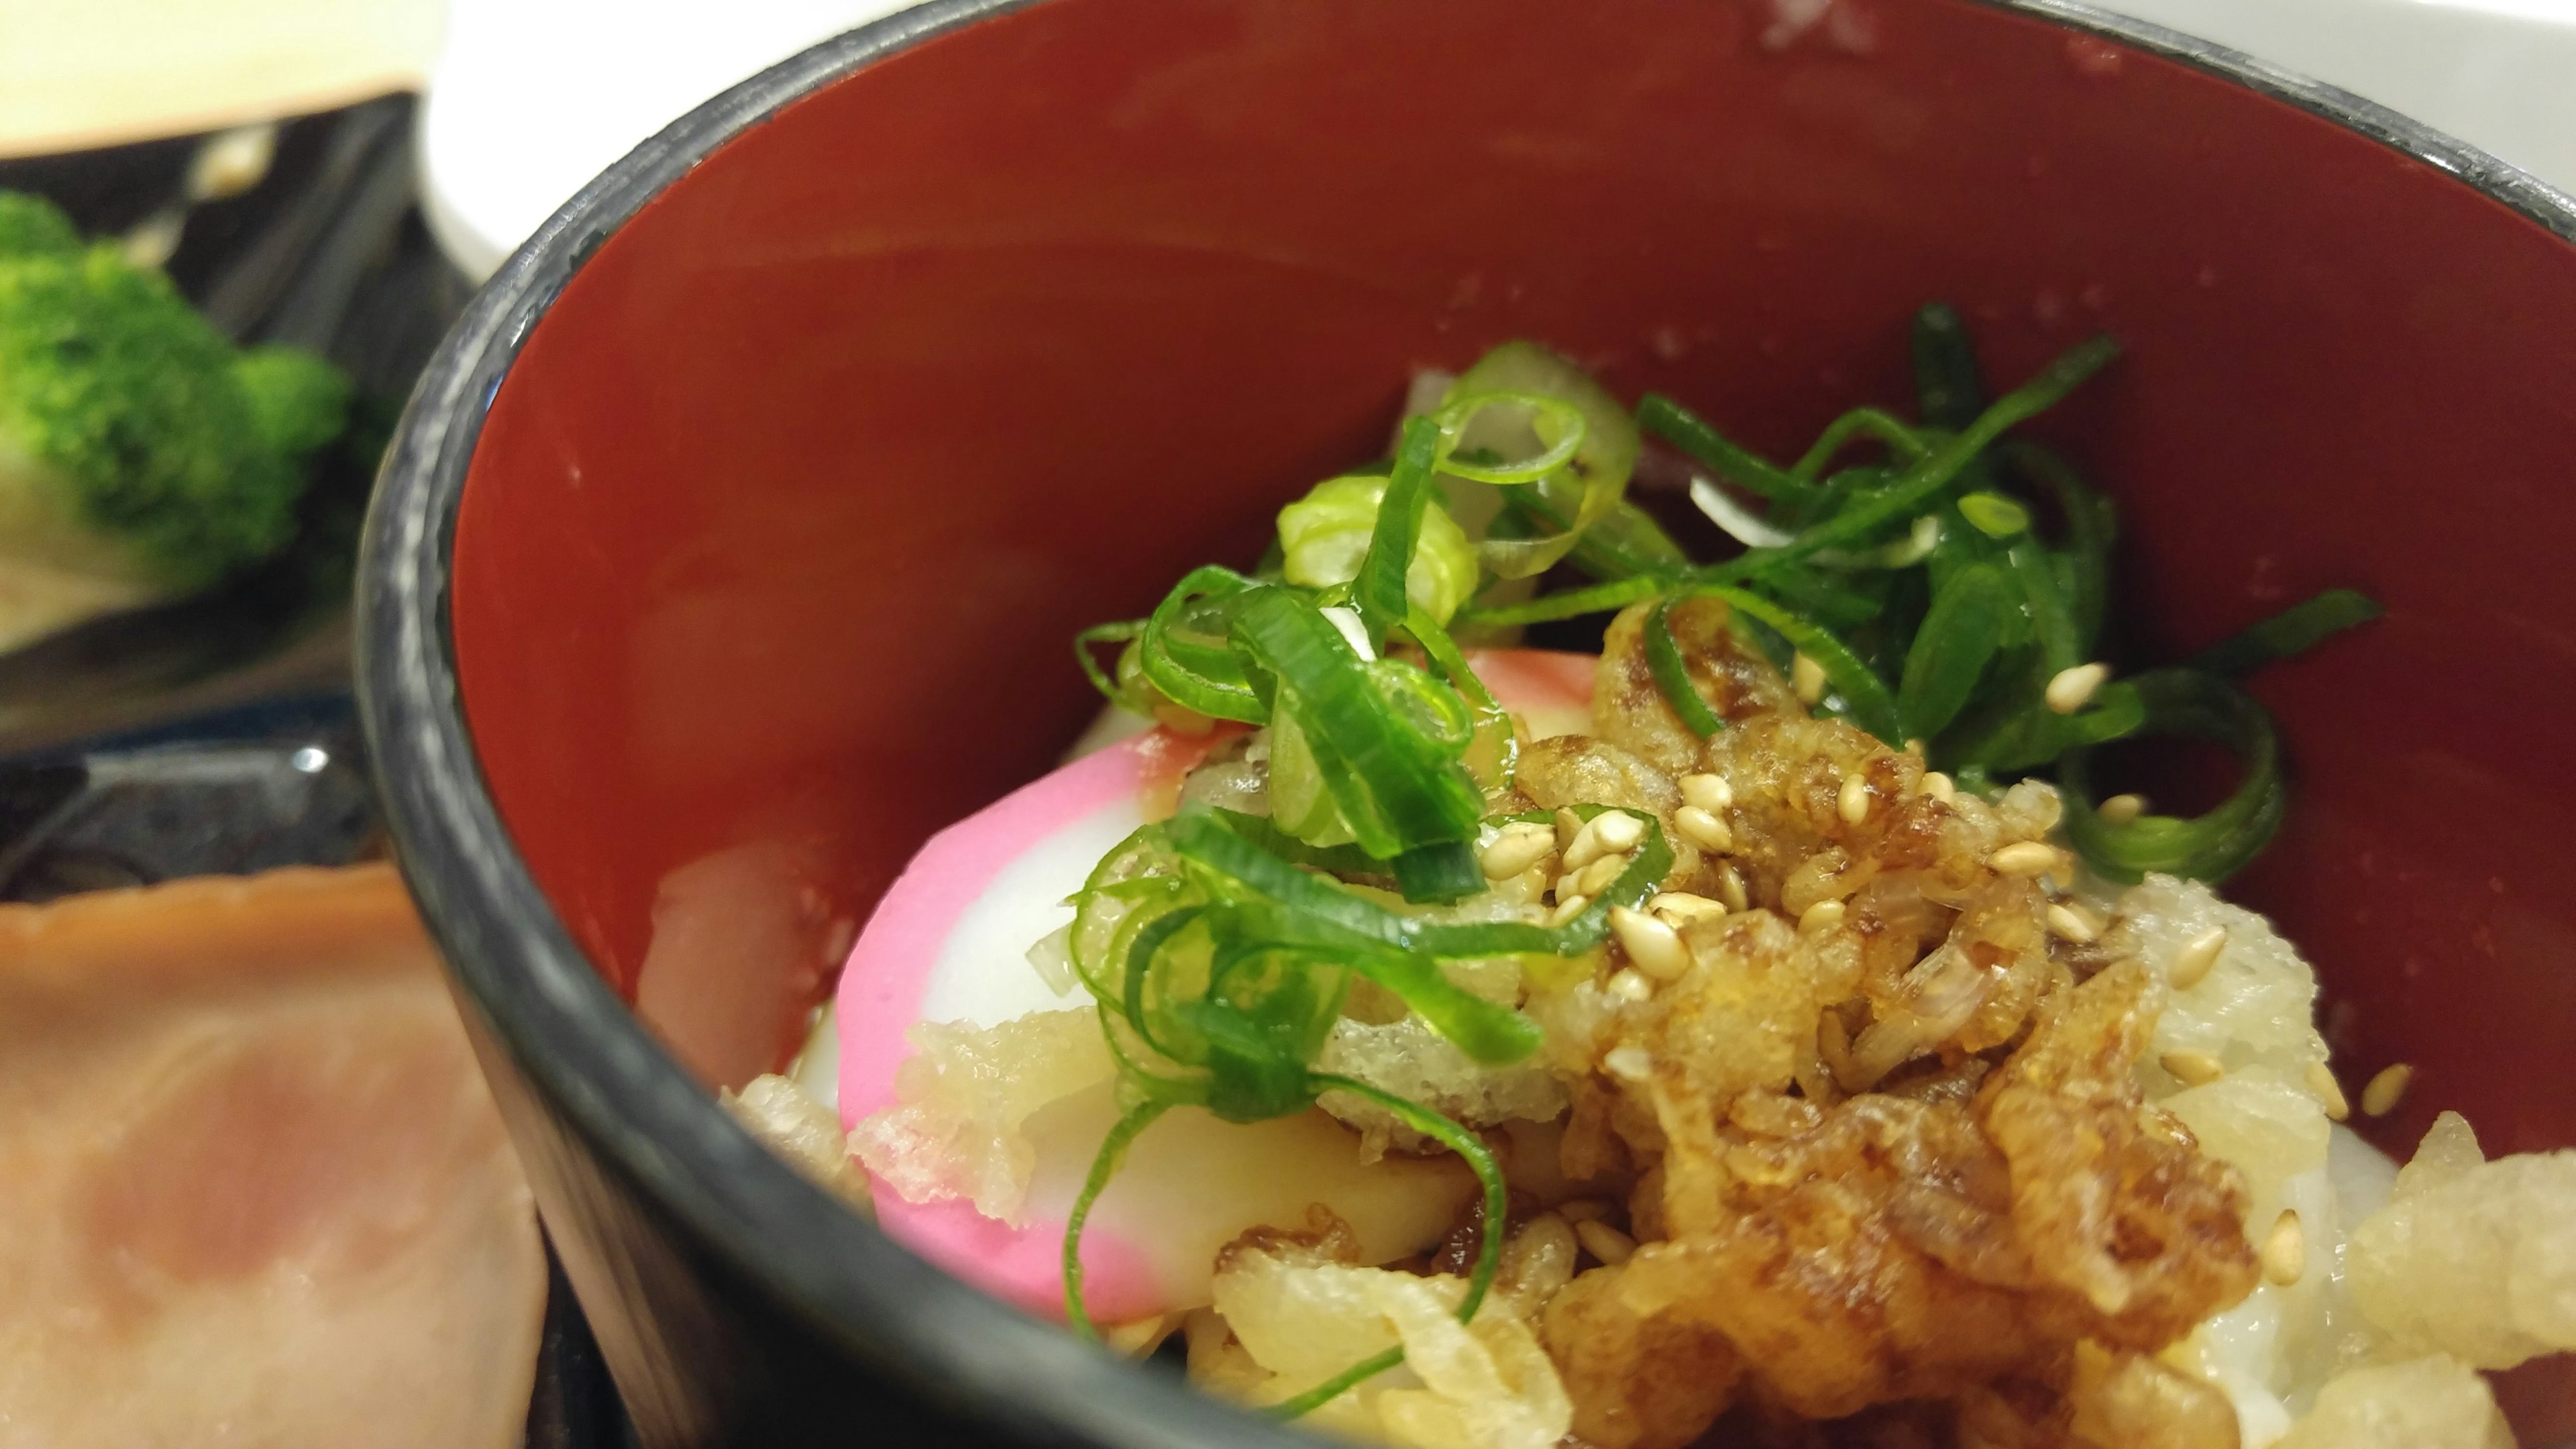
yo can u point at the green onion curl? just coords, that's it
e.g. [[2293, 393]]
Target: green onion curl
[[1104, 1165], [1741, 466], [1902, 441], [2294, 630], [1185, 650], [1672, 674], [2208, 847], [1089, 640], [1489, 1249]]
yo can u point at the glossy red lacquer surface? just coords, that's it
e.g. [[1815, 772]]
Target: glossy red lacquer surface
[[780, 524]]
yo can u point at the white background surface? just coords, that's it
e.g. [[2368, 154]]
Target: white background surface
[[534, 97]]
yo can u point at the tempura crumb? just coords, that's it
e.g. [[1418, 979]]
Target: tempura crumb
[[964, 1095]]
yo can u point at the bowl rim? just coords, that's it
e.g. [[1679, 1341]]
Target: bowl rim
[[539, 997]]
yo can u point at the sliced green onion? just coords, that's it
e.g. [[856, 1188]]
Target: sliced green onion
[[1385, 947], [1489, 1251], [1089, 640], [1144, 948], [1551, 418], [2294, 630], [1625, 541], [1342, 860], [1104, 1165], [1397, 786], [1193, 667], [1958, 639], [2013, 730], [1918, 484], [1902, 441], [2092, 527], [1672, 675], [1825, 600], [1606, 598], [1670, 421], [1865, 696], [1604, 447], [1495, 755], [1324, 537], [2209, 847], [1897, 553], [2034, 571], [1378, 591], [1837, 493], [1441, 872]]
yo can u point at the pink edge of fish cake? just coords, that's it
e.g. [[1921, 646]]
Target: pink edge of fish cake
[[888, 975]]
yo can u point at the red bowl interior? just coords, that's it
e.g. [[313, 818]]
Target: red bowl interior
[[778, 529]]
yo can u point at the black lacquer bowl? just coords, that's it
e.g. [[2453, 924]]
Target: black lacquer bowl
[[751, 507]]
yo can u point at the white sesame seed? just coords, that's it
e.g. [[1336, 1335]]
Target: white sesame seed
[[2024, 857], [1586, 848], [2072, 924], [1939, 786], [1631, 1062], [1629, 984], [2192, 1068], [1583, 1210], [1708, 792], [1853, 802], [1679, 908], [1605, 1242], [2285, 1250], [1618, 831], [1821, 917], [2071, 689], [2386, 1090], [1568, 826], [1516, 849], [1596, 877], [2192, 961], [1807, 679], [1916, 748], [1730, 887], [2321, 1081], [1566, 910], [1708, 832], [1654, 946], [2121, 809]]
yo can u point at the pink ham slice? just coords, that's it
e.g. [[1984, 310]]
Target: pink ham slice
[[252, 1188]]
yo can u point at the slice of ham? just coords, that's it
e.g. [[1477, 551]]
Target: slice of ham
[[252, 1188]]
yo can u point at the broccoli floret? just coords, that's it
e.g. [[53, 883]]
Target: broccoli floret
[[298, 402], [141, 456], [32, 226]]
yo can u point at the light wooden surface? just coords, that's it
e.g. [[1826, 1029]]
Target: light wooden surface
[[81, 73]]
